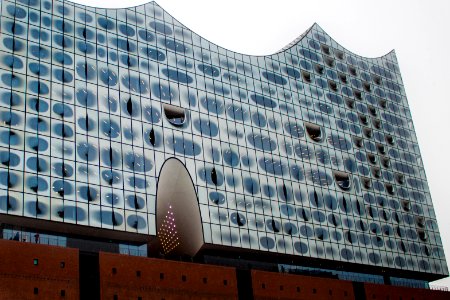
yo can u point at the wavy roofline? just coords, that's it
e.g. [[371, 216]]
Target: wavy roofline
[[293, 43]]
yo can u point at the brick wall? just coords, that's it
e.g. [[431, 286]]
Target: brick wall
[[379, 291], [268, 285], [30, 271], [129, 277]]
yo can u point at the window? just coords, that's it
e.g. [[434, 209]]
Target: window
[[325, 49], [366, 182], [138, 273], [332, 85], [350, 103], [367, 132], [281, 287], [390, 139], [306, 76], [62, 265], [339, 54], [363, 119], [372, 158], [343, 180], [298, 289], [161, 276], [36, 291], [205, 280], [114, 270], [115, 297], [315, 132], [329, 61], [367, 87], [183, 277], [314, 291], [319, 69], [358, 94], [358, 141], [376, 123], [35, 261], [175, 115], [63, 293], [225, 282], [263, 286]]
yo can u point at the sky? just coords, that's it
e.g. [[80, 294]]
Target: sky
[[419, 31]]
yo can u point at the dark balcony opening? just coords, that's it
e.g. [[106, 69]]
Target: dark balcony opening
[[358, 94], [339, 54], [363, 119], [306, 76], [390, 188], [325, 49], [315, 132], [332, 85], [372, 158], [367, 132], [319, 69], [420, 221], [372, 110], [151, 137], [400, 178], [406, 205], [358, 141], [343, 78], [376, 123], [381, 149], [423, 236], [329, 61], [386, 162], [390, 139], [350, 103], [343, 180], [366, 182], [376, 79], [376, 172], [175, 115]]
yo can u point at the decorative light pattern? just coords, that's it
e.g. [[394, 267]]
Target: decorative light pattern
[[167, 233]]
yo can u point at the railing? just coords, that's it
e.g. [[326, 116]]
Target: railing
[[439, 287], [34, 238]]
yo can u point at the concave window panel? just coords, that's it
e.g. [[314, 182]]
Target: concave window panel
[[343, 180], [175, 115], [315, 132]]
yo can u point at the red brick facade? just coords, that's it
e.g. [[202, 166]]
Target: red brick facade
[[30, 271], [128, 277]]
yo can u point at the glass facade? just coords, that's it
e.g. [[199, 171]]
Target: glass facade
[[308, 152]]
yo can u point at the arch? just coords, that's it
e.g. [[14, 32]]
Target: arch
[[178, 220]]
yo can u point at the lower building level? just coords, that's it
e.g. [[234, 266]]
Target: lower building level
[[33, 269]]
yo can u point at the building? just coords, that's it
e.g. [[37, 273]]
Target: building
[[123, 131]]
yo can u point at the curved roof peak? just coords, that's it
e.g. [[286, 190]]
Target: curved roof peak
[[314, 32]]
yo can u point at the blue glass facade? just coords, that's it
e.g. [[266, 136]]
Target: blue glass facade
[[307, 152]]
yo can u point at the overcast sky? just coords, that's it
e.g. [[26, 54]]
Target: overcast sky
[[419, 31]]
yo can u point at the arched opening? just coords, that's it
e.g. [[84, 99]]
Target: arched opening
[[178, 221], [175, 115], [315, 132]]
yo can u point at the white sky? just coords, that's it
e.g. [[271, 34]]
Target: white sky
[[419, 31]]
